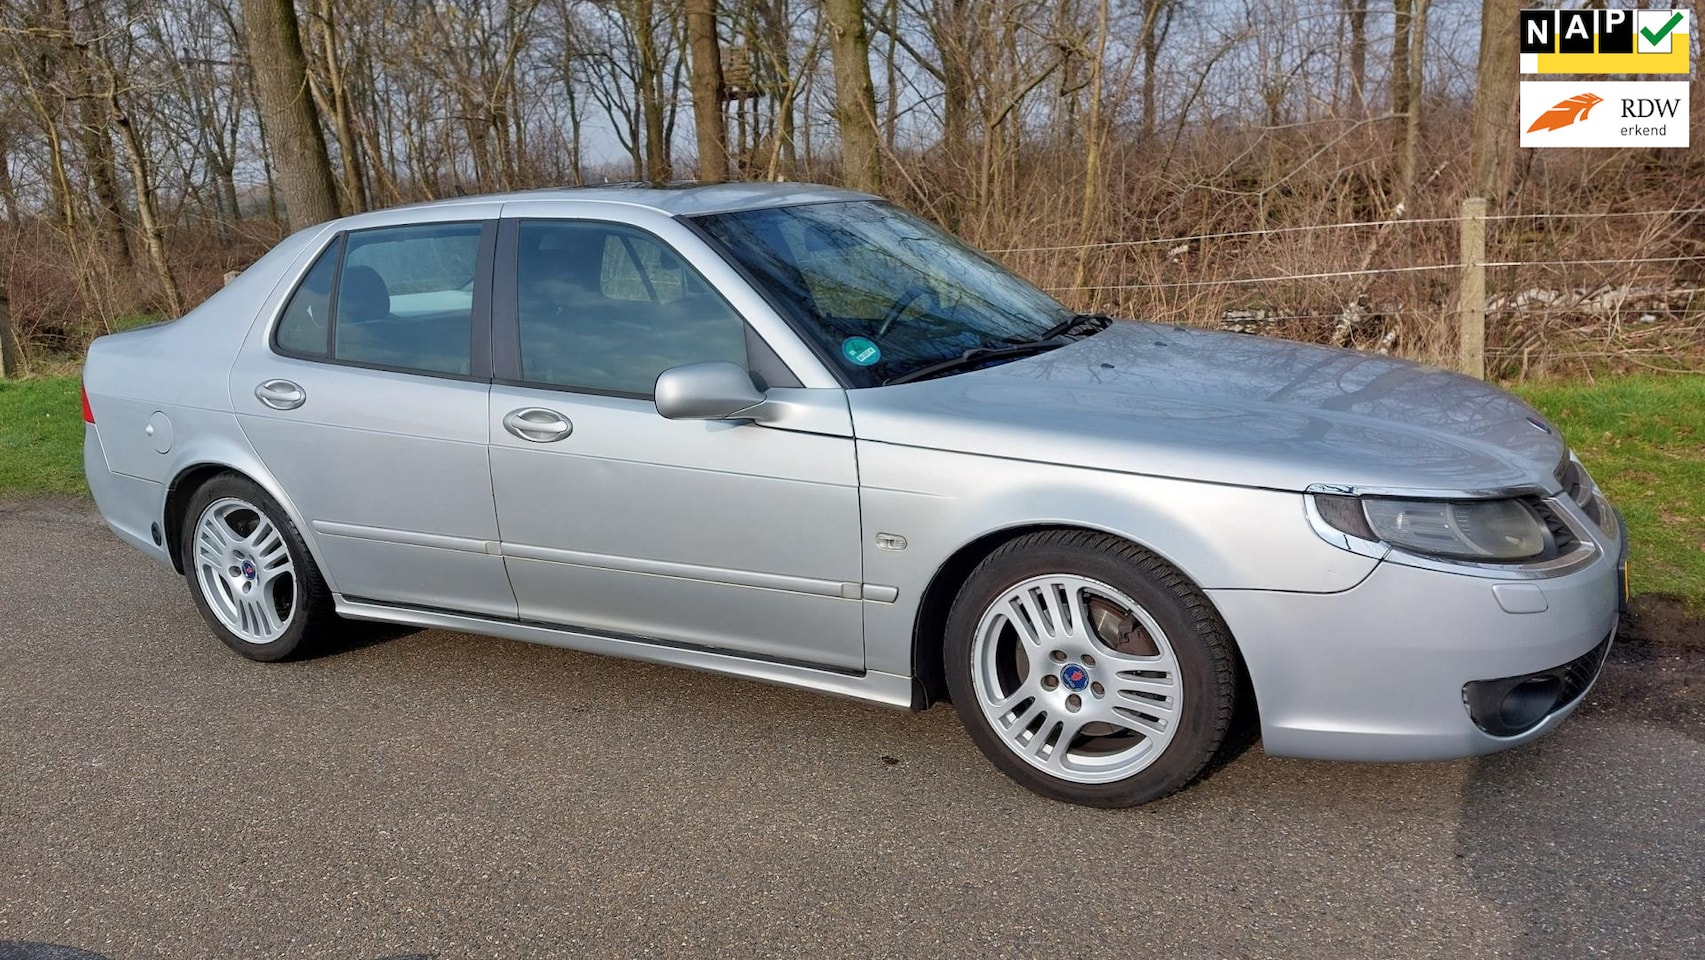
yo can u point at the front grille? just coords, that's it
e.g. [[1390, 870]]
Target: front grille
[[1578, 674]]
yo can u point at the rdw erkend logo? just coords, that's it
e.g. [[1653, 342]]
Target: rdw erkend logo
[[1604, 113], [1567, 113]]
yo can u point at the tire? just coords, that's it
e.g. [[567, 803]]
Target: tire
[[1087, 640], [250, 574]]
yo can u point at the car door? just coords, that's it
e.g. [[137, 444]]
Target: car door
[[367, 400], [724, 535]]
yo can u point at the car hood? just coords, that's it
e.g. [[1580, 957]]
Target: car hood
[[1227, 408]]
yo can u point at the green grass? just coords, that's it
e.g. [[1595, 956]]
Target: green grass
[[41, 436], [1643, 439]]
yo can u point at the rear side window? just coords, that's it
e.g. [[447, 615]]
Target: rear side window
[[306, 327], [606, 308], [399, 297]]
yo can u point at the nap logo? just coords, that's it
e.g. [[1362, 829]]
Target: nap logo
[[1605, 41], [1604, 113]]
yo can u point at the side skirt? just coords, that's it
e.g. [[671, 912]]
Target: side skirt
[[885, 688]]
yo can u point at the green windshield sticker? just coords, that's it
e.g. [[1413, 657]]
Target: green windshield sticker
[[860, 351]]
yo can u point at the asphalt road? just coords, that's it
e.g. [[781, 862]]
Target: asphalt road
[[450, 796]]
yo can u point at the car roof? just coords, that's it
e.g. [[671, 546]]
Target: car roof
[[674, 199]]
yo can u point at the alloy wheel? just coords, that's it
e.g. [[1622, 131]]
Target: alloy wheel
[[245, 571], [1076, 679]]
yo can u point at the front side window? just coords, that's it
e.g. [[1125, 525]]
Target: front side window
[[399, 297], [880, 291], [606, 308]]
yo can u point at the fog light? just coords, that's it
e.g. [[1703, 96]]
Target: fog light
[[1529, 702], [1514, 705]]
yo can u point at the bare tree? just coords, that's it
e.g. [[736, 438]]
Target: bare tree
[[649, 80], [708, 120], [1497, 108], [79, 81], [855, 95], [1408, 70], [1356, 17], [281, 76], [9, 361]]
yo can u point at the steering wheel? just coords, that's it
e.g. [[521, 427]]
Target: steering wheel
[[904, 301]]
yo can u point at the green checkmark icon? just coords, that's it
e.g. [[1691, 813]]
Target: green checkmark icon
[[1663, 31]]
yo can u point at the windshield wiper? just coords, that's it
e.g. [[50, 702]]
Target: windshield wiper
[[972, 357], [1099, 321]]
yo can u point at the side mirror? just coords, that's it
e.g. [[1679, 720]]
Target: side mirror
[[707, 391]]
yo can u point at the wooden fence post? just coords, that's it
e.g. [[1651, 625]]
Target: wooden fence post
[[1471, 290], [8, 342]]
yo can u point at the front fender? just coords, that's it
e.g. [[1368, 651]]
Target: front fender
[[1222, 537]]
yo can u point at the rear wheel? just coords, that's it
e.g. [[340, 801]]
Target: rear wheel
[[1089, 670], [249, 572]]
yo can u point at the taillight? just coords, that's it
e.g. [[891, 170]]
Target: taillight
[[88, 414]]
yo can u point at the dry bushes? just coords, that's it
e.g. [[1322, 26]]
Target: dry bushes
[[1186, 224]]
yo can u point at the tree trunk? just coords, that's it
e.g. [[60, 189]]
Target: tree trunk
[[1093, 144], [1412, 120], [98, 155], [1403, 11], [9, 360], [354, 184], [855, 96], [708, 120], [1150, 40], [274, 42], [952, 34], [91, 135], [1356, 12], [891, 73], [9, 189], [575, 169], [784, 152], [650, 83], [1497, 106], [153, 236]]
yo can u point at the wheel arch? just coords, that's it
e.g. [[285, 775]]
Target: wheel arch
[[929, 627], [194, 475]]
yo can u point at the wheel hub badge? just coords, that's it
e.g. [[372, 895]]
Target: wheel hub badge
[[248, 570], [1074, 677]]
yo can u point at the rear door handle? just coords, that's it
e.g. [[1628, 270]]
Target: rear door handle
[[537, 424], [281, 394]]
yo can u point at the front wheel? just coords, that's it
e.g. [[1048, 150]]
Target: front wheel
[[1089, 670]]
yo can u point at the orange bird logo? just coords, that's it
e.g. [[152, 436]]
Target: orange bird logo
[[1567, 113]]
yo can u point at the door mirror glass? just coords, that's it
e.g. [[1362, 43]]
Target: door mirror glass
[[707, 391]]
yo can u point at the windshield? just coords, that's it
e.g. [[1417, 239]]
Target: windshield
[[880, 291]]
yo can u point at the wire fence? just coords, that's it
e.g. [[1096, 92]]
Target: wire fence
[[1315, 227], [1555, 285]]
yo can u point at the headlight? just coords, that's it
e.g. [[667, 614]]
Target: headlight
[[1485, 530]]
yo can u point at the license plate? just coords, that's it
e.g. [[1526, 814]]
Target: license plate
[[1622, 585]]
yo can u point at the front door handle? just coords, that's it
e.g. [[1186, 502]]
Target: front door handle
[[537, 424], [281, 394]]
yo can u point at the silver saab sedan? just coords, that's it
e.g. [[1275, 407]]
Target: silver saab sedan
[[794, 434]]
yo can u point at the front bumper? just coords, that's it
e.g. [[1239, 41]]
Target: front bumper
[[1379, 672]]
